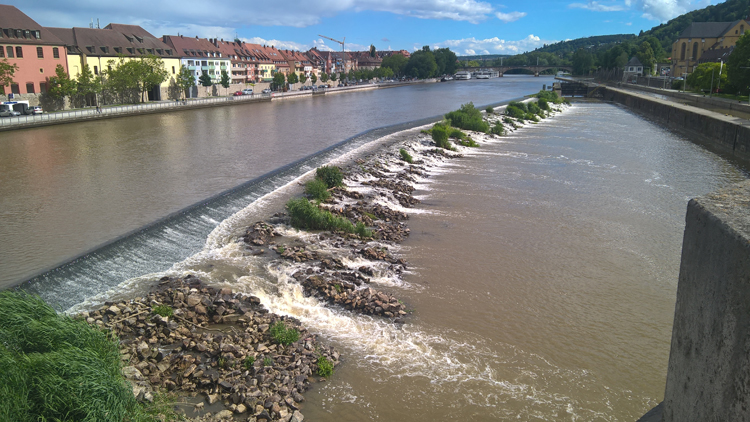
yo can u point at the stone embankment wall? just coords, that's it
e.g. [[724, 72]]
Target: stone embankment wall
[[725, 134], [708, 378]]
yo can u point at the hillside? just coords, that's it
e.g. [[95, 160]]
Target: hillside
[[595, 42]]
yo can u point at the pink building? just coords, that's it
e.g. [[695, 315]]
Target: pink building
[[34, 49]]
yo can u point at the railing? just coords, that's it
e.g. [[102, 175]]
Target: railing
[[122, 110]]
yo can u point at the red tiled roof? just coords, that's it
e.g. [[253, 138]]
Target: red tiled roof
[[12, 18]]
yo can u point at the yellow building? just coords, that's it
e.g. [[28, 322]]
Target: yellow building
[[97, 47], [701, 37]]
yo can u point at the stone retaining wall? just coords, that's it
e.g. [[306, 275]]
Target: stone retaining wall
[[725, 134]]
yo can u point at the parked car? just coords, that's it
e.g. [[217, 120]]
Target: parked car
[[8, 112], [247, 91], [238, 94], [37, 110], [267, 91]]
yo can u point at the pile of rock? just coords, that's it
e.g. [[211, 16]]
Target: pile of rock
[[215, 344], [344, 293]]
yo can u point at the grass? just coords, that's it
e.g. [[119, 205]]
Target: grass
[[267, 361], [515, 112], [498, 129], [468, 142], [489, 110], [550, 97], [248, 362], [325, 367], [440, 135], [284, 335], [317, 189], [281, 249], [406, 156], [543, 104], [306, 215], [163, 310], [331, 175], [54, 368], [469, 118]]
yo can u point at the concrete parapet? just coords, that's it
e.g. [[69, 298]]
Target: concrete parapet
[[708, 378], [729, 135]]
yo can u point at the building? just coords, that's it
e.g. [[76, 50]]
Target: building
[[299, 63], [701, 37], [633, 67], [35, 50], [364, 61], [200, 56], [102, 48]]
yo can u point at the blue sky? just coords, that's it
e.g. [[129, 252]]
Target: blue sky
[[465, 26]]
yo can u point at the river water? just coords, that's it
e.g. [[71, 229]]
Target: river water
[[543, 267]]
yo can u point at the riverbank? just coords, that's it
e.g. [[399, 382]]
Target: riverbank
[[110, 112], [336, 268]]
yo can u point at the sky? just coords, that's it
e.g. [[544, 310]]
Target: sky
[[467, 27]]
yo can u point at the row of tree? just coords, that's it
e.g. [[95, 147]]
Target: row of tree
[[423, 63], [280, 80]]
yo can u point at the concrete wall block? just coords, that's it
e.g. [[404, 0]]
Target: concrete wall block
[[708, 378]]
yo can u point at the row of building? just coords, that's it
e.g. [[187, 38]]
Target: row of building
[[37, 51]]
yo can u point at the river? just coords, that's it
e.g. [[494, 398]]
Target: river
[[543, 266]]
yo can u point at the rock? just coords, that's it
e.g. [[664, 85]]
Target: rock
[[241, 408], [297, 417], [131, 372], [224, 414], [193, 300], [213, 398]]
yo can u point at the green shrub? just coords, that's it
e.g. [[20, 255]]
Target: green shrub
[[406, 156], [163, 310], [468, 142], [549, 96], [283, 335], [248, 362], [543, 104], [317, 189], [456, 133], [534, 109], [468, 118], [305, 215], [515, 112], [362, 231], [508, 120], [325, 367], [489, 110], [498, 129], [677, 84], [440, 136], [331, 175], [533, 117], [53, 367], [519, 105], [267, 361]]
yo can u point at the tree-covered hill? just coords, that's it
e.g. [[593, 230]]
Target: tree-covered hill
[[595, 42]]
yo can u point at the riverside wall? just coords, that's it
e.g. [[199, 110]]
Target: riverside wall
[[708, 378], [724, 134]]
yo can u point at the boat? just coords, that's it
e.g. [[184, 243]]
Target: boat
[[463, 75], [446, 78]]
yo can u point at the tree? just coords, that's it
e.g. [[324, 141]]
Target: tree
[[60, 85], [225, 81], [205, 80], [185, 79], [333, 77], [421, 64], [446, 61], [292, 78], [395, 62], [87, 84], [152, 73], [7, 70], [582, 62], [739, 59], [314, 78], [323, 77], [372, 50], [303, 78], [278, 80], [701, 78], [646, 56]]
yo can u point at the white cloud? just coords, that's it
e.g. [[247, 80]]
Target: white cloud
[[597, 6], [281, 45], [664, 10], [470, 52], [629, 23], [495, 45], [510, 17]]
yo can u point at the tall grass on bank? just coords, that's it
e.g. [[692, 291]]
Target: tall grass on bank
[[331, 175], [468, 118], [55, 368], [317, 189], [306, 215]]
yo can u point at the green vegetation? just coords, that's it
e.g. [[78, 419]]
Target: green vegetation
[[248, 362], [331, 175], [543, 104], [163, 310], [267, 361], [440, 136], [282, 334], [317, 189], [281, 249], [338, 288], [221, 362], [306, 215], [489, 110], [468, 118], [406, 156], [325, 367], [55, 368], [362, 231], [550, 97], [706, 74], [498, 129], [516, 111]]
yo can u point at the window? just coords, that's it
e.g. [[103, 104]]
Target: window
[[173, 70], [682, 54], [10, 52], [90, 48], [118, 50], [55, 52], [39, 53], [14, 89], [104, 49], [2, 52], [37, 34], [27, 34], [130, 50], [1, 32], [96, 70], [19, 52], [190, 62], [29, 87], [695, 51], [42, 87], [742, 29]]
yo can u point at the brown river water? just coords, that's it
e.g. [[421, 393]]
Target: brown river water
[[543, 267]]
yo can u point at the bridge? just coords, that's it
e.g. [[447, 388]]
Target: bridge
[[536, 70]]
